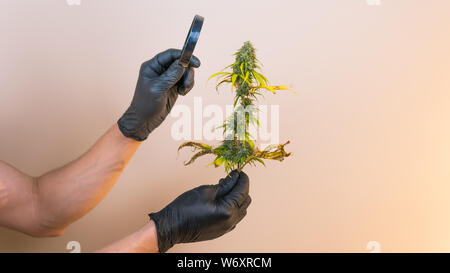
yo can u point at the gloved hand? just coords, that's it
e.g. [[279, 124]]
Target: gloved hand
[[203, 213], [160, 81]]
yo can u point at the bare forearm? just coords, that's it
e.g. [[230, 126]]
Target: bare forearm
[[143, 240], [66, 194]]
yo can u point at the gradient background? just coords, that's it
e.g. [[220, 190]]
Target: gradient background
[[370, 125]]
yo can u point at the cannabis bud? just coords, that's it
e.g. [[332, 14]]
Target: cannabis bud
[[238, 149]]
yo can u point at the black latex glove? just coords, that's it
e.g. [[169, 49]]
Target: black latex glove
[[203, 213], [160, 81]]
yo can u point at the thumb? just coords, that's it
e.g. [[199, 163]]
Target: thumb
[[226, 184], [239, 192], [172, 75]]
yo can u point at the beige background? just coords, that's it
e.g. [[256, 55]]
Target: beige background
[[370, 125]]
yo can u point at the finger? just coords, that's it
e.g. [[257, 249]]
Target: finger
[[171, 99], [227, 183], [194, 62], [172, 75], [239, 192], [164, 60], [231, 229], [246, 203], [158, 64], [242, 214], [187, 82]]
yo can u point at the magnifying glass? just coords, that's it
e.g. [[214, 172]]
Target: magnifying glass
[[191, 41]]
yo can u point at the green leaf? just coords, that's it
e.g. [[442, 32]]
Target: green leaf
[[218, 161], [228, 66], [251, 143], [195, 145], [236, 99], [222, 82], [258, 78], [246, 77], [260, 161], [197, 155], [233, 81], [266, 81], [218, 74], [227, 165]]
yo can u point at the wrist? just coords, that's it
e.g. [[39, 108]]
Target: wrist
[[163, 228], [143, 240], [128, 132], [132, 126], [151, 237]]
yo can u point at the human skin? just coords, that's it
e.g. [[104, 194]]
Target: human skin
[[144, 240], [46, 205]]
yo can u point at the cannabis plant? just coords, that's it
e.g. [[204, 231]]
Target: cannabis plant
[[238, 149]]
